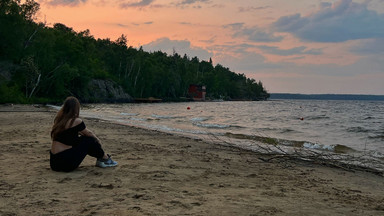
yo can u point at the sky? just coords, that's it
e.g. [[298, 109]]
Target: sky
[[291, 46]]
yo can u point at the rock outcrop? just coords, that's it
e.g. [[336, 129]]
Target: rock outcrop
[[107, 91]]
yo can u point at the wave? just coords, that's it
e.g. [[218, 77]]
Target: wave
[[357, 130], [213, 125], [129, 114], [379, 136], [318, 146], [334, 148], [376, 154], [293, 143], [287, 130], [317, 117], [267, 129], [199, 119], [164, 116], [171, 129], [54, 106], [138, 119]]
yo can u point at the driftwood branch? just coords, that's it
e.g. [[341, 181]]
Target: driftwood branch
[[269, 152]]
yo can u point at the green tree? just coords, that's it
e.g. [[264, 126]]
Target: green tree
[[49, 63]]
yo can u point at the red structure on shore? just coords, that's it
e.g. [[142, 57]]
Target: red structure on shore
[[197, 92]]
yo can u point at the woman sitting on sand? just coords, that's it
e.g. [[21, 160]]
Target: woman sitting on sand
[[68, 148]]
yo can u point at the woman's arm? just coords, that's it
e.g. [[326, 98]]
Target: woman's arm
[[89, 133], [85, 132]]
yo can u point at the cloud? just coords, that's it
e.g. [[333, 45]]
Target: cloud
[[195, 3], [210, 40], [302, 50], [180, 46], [144, 23], [133, 24], [248, 62], [234, 26], [64, 2], [255, 33], [136, 4], [325, 4], [369, 47], [185, 23], [122, 25], [251, 9], [185, 2], [241, 58], [218, 6], [338, 22]]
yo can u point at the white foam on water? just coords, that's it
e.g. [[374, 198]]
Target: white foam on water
[[54, 107], [199, 119], [138, 119], [129, 114], [376, 154], [163, 116], [318, 146], [165, 128], [212, 125]]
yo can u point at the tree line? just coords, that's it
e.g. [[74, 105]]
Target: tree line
[[39, 63]]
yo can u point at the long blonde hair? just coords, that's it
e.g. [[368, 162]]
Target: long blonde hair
[[69, 111]]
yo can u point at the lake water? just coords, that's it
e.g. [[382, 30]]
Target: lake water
[[331, 126]]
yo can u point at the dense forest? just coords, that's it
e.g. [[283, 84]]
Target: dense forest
[[39, 63]]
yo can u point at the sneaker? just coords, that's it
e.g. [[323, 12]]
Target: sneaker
[[106, 162]]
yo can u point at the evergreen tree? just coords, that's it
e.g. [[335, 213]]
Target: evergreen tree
[[41, 63]]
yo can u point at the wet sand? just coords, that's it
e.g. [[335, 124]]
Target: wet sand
[[162, 174]]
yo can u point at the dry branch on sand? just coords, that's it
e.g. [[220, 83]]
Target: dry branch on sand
[[271, 149]]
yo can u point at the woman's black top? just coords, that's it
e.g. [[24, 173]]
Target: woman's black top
[[70, 136]]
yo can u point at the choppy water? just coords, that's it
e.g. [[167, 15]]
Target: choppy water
[[316, 124]]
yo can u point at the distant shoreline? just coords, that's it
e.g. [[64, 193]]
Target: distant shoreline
[[326, 96]]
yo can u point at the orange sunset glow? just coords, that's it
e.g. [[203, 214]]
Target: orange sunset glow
[[291, 46]]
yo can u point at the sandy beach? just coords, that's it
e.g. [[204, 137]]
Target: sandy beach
[[163, 174]]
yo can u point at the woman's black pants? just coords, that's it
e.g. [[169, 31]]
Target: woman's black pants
[[70, 159]]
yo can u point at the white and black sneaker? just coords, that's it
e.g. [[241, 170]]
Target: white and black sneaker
[[106, 162]]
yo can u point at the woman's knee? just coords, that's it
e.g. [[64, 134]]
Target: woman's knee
[[92, 147]]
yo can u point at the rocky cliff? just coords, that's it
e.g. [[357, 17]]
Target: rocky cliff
[[106, 91]]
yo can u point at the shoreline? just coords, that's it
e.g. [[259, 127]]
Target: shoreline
[[342, 157], [164, 174]]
